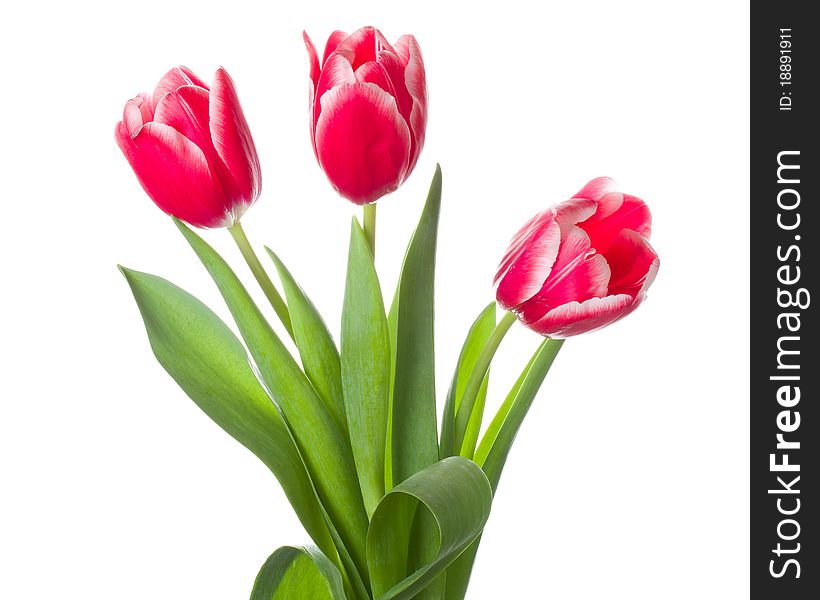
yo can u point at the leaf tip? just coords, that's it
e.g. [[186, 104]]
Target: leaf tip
[[273, 256], [435, 184], [127, 273]]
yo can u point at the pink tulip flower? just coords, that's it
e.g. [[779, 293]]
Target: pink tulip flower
[[580, 265], [368, 111], [191, 148]]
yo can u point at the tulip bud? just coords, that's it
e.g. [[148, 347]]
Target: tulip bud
[[580, 265], [191, 148], [368, 111]]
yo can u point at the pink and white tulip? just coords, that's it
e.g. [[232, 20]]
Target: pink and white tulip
[[368, 111], [580, 265], [191, 148]]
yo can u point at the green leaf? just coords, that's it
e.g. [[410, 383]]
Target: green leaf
[[495, 447], [392, 327], [500, 435], [501, 415], [458, 573], [414, 438], [296, 573], [424, 551], [470, 410], [210, 365], [365, 367], [323, 445], [317, 349], [456, 494], [477, 337], [476, 416], [321, 360]]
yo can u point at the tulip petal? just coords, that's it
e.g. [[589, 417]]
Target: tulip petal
[[373, 72], [311, 100], [333, 42], [631, 259], [587, 280], [232, 139], [315, 73], [174, 79], [363, 45], [575, 248], [575, 318], [402, 47], [137, 112], [337, 71], [603, 192], [649, 279], [597, 189], [175, 174], [388, 73], [632, 213], [409, 52], [359, 47], [639, 219], [574, 211], [186, 110], [608, 204], [529, 259], [313, 57], [577, 275], [362, 141]]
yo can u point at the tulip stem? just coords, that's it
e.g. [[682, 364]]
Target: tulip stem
[[369, 213], [261, 275], [468, 398]]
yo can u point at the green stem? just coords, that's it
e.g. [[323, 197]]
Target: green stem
[[261, 275], [468, 398], [369, 211]]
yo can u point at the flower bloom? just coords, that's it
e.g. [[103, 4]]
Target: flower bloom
[[580, 265], [191, 148], [368, 111]]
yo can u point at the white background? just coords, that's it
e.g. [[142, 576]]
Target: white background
[[630, 476]]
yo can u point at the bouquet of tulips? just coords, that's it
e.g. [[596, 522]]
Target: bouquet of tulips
[[395, 505]]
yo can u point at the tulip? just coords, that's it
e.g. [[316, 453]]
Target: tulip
[[193, 153], [368, 111], [580, 265], [191, 148]]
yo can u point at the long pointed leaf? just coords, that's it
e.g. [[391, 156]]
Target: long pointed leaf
[[470, 410], [294, 573], [476, 417], [495, 446], [478, 335], [457, 496], [423, 552], [501, 414], [210, 365], [321, 361], [392, 328], [458, 573], [494, 452], [322, 445], [317, 349], [415, 444], [365, 360]]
